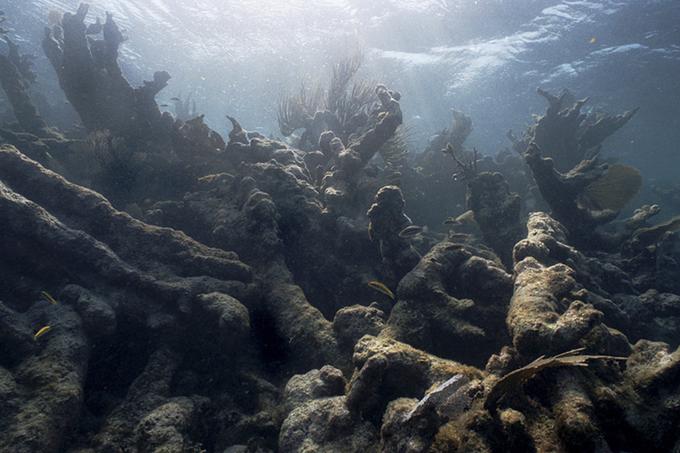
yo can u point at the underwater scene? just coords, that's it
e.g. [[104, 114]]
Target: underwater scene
[[399, 226]]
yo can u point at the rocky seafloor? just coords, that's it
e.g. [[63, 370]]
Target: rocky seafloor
[[167, 290]]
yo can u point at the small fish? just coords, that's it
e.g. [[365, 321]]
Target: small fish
[[175, 99], [164, 105], [411, 231], [48, 297], [465, 218], [378, 286], [41, 332], [370, 231], [593, 40]]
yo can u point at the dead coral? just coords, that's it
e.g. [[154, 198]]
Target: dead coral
[[16, 76], [567, 194], [142, 287], [42, 389], [387, 219], [567, 135], [339, 183], [88, 72], [497, 212], [386, 369], [454, 297], [551, 310], [147, 312]]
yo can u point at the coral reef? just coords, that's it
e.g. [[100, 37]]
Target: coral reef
[[166, 290]]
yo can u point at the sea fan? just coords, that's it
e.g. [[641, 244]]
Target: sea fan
[[343, 72], [296, 110], [395, 151], [615, 188], [348, 105], [511, 382]]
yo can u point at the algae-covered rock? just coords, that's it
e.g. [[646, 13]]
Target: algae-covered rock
[[387, 220], [227, 315], [166, 428], [326, 425], [98, 316], [353, 322], [455, 296], [149, 391], [386, 369], [497, 212], [649, 397], [656, 316], [314, 384], [399, 433], [308, 334], [550, 311], [43, 389]]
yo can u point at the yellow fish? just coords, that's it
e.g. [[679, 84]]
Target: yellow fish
[[41, 332], [378, 286], [593, 40], [48, 297]]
